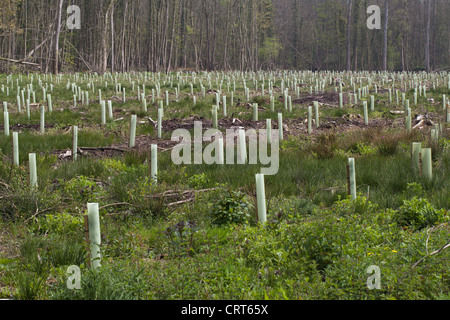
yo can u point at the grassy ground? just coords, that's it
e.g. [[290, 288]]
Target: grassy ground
[[194, 234]]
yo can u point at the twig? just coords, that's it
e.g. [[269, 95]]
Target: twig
[[103, 149], [179, 202], [445, 246], [117, 204]]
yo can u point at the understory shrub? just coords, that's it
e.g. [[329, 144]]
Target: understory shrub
[[232, 207]]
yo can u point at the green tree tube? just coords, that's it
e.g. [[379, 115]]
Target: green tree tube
[[415, 156], [427, 167], [316, 110], [341, 100], [261, 198], [6, 122], [285, 101], [366, 113], [242, 147], [75, 143], [18, 104], [5, 106], [154, 163], [42, 119], [217, 101], [167, 98], [144, 105], [161, 107], [272, 103], [99, 94], [103, 111], [255, 112], [221, 156], [133, 131], [160, 118], [49, 103], [309, 120], [215, 123], [408, 123], [224, 106], [434, 135], [110, 110], [16, 148], [28, 109], [352, 172], [372, 103], [33, 170], [94, 234], [280, 126], [406, 105], [124, 95], [269, 130]]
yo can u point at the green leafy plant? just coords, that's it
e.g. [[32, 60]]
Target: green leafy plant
[[232, 207], [83, 189], [419, 213], [198, 181], [361, 205], [181, 238], [62, 223]]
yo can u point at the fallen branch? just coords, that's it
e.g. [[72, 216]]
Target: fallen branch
[[116, 204], [103, 149], [32, 64], [445, 246]]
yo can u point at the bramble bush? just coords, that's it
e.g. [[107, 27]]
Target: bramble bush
[[232, 207]]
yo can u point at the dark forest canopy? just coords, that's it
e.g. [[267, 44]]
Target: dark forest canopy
[[164, 35]]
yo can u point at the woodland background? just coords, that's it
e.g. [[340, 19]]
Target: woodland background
[[164, 35]]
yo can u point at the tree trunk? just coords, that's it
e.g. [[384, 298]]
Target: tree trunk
[[349, 18], [58, 32], [427, 40], [385, 40]]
